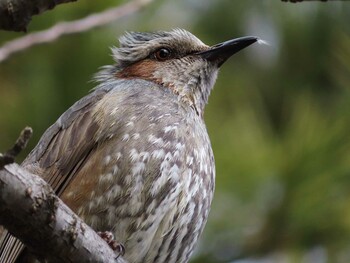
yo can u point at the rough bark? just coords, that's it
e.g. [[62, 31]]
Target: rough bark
[[32, 212], [15, 15]]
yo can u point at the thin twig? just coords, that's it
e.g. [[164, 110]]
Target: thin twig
[[9, 156], [65, 28]]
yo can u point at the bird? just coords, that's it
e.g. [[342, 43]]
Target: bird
[[133, 157]]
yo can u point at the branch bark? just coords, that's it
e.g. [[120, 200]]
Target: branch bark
[[15, 15], [32, 212]]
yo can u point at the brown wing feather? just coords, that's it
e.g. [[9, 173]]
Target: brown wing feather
[[66, 144], [67, 151], [58, 155]]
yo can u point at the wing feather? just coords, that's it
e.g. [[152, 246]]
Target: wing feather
[[59, 154]]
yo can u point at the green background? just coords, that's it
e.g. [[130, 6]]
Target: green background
[[278, 118]]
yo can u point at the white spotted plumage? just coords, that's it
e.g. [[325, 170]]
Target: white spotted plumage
[[134, 157]]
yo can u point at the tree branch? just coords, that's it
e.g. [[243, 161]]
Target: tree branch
[[31, 211], [298, 1], [15, 15], [65, 28], [9, 156]]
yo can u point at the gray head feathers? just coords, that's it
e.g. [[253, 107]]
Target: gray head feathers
[[135, 46]]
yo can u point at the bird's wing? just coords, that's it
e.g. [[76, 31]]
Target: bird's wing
[[60, 152], [66, 144]]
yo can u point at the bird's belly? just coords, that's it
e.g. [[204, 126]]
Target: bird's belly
[[162, 227], [157, 215], [155, 199]]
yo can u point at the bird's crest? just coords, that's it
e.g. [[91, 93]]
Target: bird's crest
[[135, 46]]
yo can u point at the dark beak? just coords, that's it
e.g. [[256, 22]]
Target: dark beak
[[219, 53]]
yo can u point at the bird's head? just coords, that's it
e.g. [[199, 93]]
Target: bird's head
[[177, 60]]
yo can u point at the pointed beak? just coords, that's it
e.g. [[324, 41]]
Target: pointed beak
[[219, 53]]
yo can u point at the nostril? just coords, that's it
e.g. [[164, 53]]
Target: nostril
[[217, 45]]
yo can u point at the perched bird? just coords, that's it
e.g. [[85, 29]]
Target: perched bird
[[133, 157]]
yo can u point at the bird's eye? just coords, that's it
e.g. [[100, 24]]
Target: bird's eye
[[162, 54]]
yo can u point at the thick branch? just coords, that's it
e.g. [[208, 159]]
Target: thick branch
[[65, 28], [31, 211], [15, 15]]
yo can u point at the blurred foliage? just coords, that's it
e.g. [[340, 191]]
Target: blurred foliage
[[279, 117]]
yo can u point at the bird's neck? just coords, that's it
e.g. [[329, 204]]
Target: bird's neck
[[192, 94], [192, 87]]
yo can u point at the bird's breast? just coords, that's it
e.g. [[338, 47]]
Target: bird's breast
[[150, 179]]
